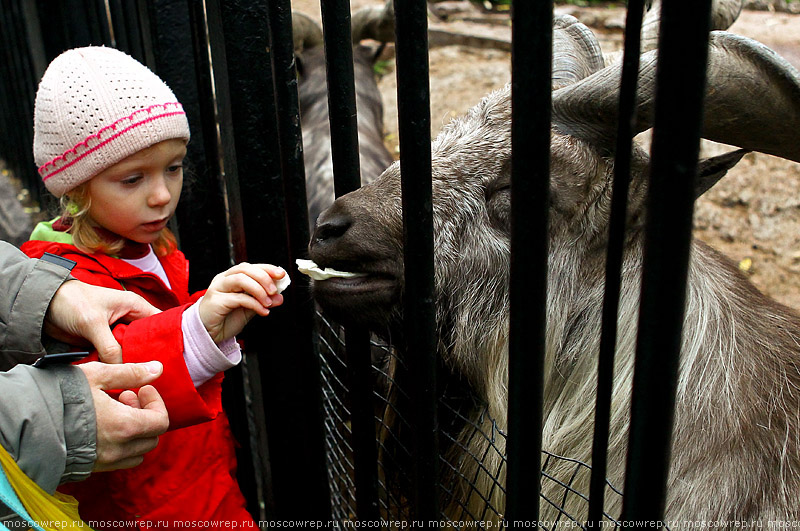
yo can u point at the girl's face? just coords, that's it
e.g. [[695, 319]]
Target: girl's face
[[136, 197]]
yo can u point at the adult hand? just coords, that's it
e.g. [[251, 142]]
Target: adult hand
[[128, 428], [81, 313]]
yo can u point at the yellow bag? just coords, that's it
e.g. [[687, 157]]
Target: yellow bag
[[47, 512]]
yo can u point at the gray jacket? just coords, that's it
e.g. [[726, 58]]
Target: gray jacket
[[47, 418]]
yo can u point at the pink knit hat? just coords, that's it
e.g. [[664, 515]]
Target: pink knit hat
[[96, 106]]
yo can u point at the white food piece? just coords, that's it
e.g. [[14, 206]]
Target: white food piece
[[283, 282], [308, 267]]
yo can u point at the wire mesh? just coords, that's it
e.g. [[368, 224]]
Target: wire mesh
[[472, 482]]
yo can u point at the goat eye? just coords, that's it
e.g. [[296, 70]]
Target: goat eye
[[499, 186], [498, 205]]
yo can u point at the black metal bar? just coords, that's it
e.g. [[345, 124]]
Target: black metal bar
[[77, 23], [143, 15], [531, 57], [214, 104], [125, 20], [11, 148], [35, 41], [680, 85], [133, 30], [413, 98], [201, 212], [616, 241], [341, 94], [215, 100], [347, 177], [270, 377], [20, 89], [118, 23], [97, 22], [301, 485]]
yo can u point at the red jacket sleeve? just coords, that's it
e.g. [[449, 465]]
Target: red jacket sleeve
[[159, 337]]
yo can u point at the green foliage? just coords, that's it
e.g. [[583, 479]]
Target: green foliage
[[381, 67]]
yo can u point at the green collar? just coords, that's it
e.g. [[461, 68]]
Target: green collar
[[44, 232]]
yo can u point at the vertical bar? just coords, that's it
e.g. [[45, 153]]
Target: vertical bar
[[413, 98], [118, 23], [143, 15], [347, 177], [214, 103], [531, 57], [133, 30], [270, 376], [20, 87], [303, 492], [341, 94], [201, 211], [215, 99], [680, 84], [616, 240], [97, 23], [127, 34]]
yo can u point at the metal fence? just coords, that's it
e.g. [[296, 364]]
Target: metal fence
[[335, 428]]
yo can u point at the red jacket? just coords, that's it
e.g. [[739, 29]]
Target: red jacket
[[191, 475]]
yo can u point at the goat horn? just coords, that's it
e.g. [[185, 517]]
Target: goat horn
[[752, 99], [305, 32], [373, 22], [723, 14], [576, 52]]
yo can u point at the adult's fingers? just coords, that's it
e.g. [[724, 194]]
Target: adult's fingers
[[122, 376], [152, 419], [121, 464], [125, 455], [151, 401], [108, 350], [130, 399], [132, 306]]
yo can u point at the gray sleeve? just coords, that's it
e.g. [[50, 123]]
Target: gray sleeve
[[48, 424], [26, 287]]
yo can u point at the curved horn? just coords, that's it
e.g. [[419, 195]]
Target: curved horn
[[752, 99], [576, 52], [723, 14], [373, 22], [305, 32]]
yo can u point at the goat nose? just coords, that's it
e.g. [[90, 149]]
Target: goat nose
[[330, 227]]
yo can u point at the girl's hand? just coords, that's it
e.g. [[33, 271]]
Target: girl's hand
[[236, 296]]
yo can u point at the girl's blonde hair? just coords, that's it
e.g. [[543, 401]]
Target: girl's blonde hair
[[84, 230]]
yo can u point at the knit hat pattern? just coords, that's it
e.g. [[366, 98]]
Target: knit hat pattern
[[95, 107]]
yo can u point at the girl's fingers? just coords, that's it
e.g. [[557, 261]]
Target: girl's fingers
[[260, 273], [228, 302], [242, 283]]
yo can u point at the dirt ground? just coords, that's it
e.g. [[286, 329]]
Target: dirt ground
[[753, 215]]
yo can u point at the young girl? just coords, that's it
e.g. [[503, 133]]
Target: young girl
[[109, 140]]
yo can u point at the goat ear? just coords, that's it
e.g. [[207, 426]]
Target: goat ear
[[752, 99], [711, 170]]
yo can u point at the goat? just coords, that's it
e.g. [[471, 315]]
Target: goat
[[313, 99], [736, 440]]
